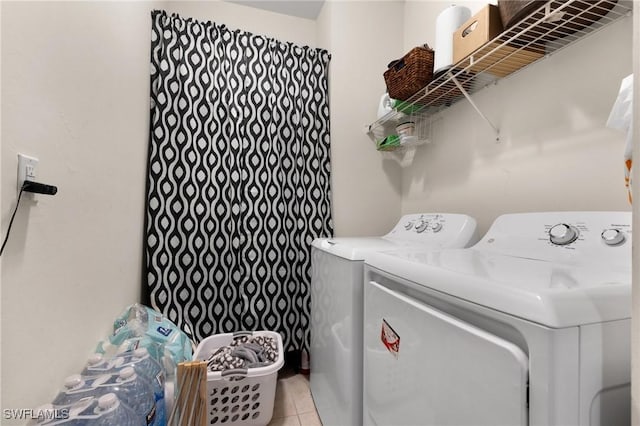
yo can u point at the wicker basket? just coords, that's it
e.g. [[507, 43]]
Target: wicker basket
[[410, 73]]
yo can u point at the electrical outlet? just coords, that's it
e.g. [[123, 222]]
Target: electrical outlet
[[27, 169]]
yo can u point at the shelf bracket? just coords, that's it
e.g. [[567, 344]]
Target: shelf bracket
[[473, 104]]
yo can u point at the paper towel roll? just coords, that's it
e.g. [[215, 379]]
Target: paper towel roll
[[448, 21]]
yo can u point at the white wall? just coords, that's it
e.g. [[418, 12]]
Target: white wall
[[75, 94], [554, 151], [366, 187], [282, 27]]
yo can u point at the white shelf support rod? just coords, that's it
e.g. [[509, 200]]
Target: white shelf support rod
[[473, 104]]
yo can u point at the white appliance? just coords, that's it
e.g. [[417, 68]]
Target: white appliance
[[531, 326], [336, 306]]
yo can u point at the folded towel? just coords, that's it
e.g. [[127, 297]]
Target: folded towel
[[244, 352]]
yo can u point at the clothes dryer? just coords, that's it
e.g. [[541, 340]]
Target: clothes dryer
[[531, 326], [336, 306]]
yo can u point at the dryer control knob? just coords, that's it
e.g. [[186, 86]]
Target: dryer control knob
[[421, 226], [408, 225], [436, 227], [563, 234], [612, 237]]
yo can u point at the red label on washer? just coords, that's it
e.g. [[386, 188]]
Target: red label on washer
[[390, 338]]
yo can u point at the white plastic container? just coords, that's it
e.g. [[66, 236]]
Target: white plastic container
[[240, 397], [76, 388], [148, 368], [135, 391], [112, 412]]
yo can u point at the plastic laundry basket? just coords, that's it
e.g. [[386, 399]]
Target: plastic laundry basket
[[240, 397]]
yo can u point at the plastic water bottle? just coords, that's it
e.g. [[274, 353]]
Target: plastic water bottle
[[97, 365], [77, 387], [112, 412], [136, 392], [144, 363], [145, 366]]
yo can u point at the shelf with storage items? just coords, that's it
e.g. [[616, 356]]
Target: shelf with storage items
[[548, 27], [398, 137]]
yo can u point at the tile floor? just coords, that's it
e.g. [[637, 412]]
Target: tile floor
[[293, 404]]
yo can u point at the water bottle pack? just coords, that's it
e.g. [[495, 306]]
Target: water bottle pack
[[123, 383], [135, 391], [148, 368], [139, 326], [143, 364]]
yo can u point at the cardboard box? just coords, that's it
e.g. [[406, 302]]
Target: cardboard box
[[473, 45], [501, 61], [481, 28]]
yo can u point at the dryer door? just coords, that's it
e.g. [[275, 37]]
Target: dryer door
[[424, 367]]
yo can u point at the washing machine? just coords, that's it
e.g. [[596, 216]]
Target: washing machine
[[530, 326], [336, 306]]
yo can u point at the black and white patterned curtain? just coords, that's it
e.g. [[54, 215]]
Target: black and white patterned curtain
[[238, 178]]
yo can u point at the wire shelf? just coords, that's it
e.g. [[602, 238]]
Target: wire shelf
[[548, 29]]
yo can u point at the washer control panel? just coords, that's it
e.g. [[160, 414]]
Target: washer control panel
[[439, 229], [424, 223], [556, 235], [611, 234]]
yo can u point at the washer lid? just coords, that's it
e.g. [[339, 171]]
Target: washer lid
[[554, 294], [357, 248]]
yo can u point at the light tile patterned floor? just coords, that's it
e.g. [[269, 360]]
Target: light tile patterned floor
[[293, 404]]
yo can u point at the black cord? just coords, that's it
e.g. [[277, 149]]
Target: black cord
[[6, 238]]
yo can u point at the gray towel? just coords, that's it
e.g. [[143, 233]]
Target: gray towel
[[244, 352]]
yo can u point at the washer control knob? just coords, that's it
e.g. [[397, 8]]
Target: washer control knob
[[408, 225], [421, 226], [563, 234], [436, 227], [612, 237]]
